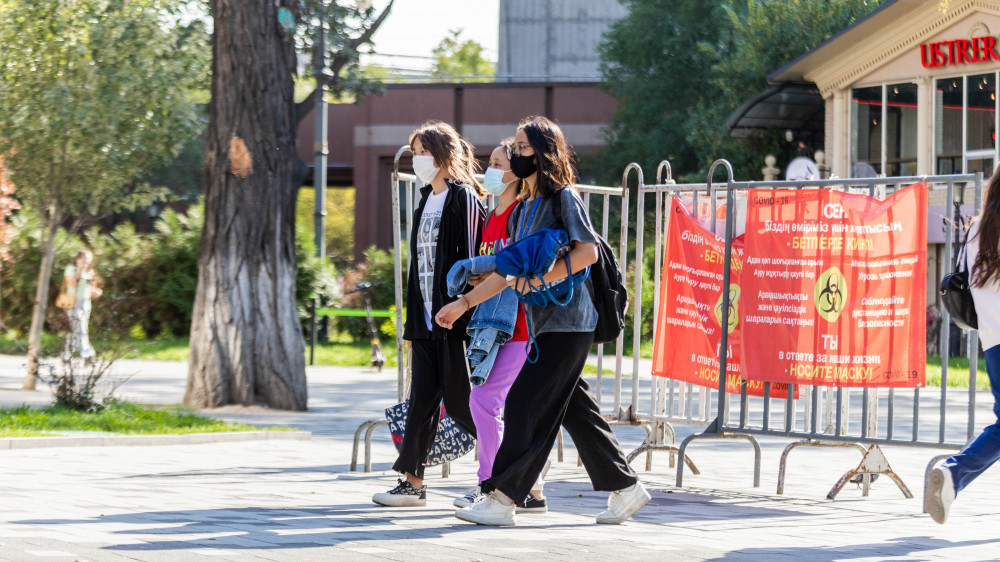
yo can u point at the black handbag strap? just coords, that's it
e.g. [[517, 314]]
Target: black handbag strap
[[962, 266]]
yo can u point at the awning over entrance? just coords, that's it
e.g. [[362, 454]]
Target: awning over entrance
[[795, 107]]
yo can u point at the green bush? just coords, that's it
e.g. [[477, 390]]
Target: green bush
[[149, 279], [377, 268]]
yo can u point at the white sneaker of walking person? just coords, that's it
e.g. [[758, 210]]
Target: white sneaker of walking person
[[940, 493], [403, 495], [623, 503], [495, 509], [472, 496]]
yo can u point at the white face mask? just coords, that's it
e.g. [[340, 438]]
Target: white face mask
[[423, 166], [493, 181]]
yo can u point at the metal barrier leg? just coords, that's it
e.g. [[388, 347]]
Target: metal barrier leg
[[874, 462], [807, 443], [681, 452], [357, 440], [445, 469], [559, 446], [373, 424], [927, 475]]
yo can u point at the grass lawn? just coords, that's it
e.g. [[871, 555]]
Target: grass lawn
[[118, 417]]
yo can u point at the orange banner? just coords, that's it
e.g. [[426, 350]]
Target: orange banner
[[688, 326], [834, 288]]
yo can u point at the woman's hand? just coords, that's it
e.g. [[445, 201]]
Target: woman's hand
[[523, 285], [477, 278], [451, 312]]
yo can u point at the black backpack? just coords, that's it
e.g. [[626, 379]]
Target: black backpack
[[607, 287]]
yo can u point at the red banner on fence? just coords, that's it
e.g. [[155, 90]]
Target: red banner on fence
[[834, 288], [688, 328]]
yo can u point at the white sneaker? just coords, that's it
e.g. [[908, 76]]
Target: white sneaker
[[403, 495], [622, 504], [470, 497], [489, 511], [939, 494]]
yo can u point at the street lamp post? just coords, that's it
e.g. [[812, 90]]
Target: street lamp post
[[321, 148]]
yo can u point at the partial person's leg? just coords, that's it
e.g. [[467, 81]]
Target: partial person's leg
[[455, 385], [534, 411], [985, 449], [487, 403], [86, 350], [599, 450], [951, 476], [424, 409]]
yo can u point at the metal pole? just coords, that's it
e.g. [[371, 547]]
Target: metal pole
[[321, 147]]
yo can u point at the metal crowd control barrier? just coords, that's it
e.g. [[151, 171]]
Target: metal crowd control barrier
[[826, 416], [405, 191]]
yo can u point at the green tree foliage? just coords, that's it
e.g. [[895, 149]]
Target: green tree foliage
[[765, 35], [651, 63], [461, 61], [92, 94], [678, 75], [339, 223]]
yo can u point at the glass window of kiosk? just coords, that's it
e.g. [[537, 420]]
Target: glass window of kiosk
[[884, 130], [866, 132], [965, 124]]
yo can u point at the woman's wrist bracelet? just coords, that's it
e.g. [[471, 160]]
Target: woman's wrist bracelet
[[468, 305]]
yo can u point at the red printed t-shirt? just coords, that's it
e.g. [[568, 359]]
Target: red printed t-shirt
[[495, 238]]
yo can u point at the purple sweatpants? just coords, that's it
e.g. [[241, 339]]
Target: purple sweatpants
[[487, 401]]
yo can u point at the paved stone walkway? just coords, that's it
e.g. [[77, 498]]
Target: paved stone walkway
[[297, 500]]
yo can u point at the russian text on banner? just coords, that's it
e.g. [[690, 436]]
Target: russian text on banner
[[690, 319], [834, 288]]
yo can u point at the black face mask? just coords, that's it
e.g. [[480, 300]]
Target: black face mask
[[523, 166]]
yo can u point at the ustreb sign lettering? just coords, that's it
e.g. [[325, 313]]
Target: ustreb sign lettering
[[834, 288]]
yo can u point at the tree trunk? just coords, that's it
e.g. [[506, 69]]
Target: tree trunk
[[41, 300], [246, 340]]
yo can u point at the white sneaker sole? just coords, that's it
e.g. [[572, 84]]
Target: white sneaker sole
[[935, 507], [390, 500], [471, 517], [636, 506], [533, 509]]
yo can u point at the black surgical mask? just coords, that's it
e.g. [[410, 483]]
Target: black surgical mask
[[523, 166]]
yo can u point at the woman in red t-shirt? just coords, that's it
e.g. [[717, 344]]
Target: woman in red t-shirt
[[487, 400]]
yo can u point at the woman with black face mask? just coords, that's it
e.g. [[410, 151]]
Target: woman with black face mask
[[550, 392]]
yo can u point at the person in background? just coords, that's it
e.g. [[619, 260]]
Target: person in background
[[82, 285], [982, 259], [550, 391], [446, 227]]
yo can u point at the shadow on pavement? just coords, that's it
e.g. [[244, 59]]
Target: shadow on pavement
[[892, 547]]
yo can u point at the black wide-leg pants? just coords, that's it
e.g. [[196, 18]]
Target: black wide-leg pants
[[546, 395], [440, 371]]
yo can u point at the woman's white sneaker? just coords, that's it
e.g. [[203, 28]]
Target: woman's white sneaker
[[622, 504], [489, 511], [940, 493], [403, 495]]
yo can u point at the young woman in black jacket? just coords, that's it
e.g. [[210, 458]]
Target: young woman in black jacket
[[446, 227]]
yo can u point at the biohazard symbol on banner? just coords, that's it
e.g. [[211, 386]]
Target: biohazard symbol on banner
[[734, 311], [831, 294]]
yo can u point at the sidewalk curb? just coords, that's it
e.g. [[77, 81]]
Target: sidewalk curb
[[148, 440]]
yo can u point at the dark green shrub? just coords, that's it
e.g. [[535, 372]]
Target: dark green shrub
[[377, 268]]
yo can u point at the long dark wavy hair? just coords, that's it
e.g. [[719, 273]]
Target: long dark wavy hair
[[986, 269], [556, 159], [450, 151]]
